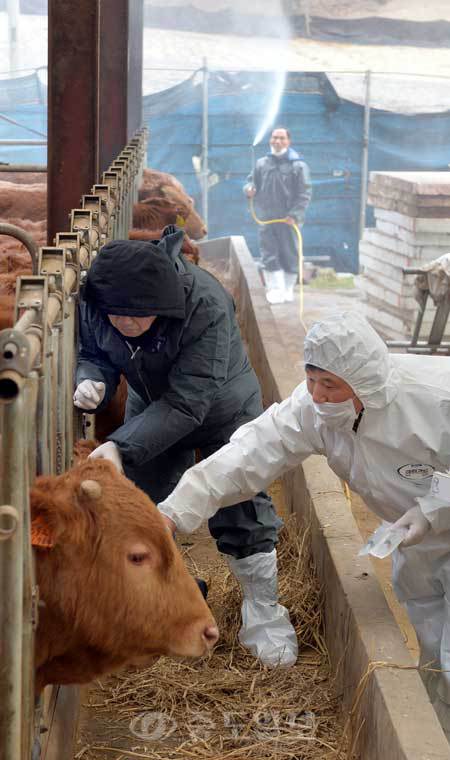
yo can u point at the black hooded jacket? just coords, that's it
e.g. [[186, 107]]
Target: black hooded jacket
[[190, 367], [283, 186]]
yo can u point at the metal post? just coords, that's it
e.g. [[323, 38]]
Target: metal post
[[51, 398], [43, 466], [29, 587], [11, 575], [12, 7], [69, 367], [307, 18], [60, 394], [365, 157], [205, 141]]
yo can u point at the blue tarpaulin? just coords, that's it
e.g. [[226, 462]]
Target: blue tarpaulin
[[325, 128]]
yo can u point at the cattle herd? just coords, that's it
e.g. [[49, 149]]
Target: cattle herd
[[162, 201], [123, 594]]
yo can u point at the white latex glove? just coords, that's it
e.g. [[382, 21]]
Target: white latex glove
[[109, 451], [89, 394], [170, 525], [417, 524], [250, 191]]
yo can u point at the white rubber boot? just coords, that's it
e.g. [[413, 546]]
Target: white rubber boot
[[290, 280], [274, 285], [266, 629]]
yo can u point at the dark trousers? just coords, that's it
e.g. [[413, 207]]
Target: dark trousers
[[241, 530], [279, 247]]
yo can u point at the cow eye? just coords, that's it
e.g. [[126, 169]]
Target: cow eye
[[138, 558]]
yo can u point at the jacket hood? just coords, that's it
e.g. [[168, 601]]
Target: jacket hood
[[138, 278], [346, 345]]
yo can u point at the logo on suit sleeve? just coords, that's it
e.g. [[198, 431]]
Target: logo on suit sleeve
[[416, 472]]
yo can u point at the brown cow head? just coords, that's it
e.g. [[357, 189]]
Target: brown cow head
[[159, 212], [193, 225], [114, 587]]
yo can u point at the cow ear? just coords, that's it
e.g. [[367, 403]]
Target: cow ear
[[91, 488], [47, 522]]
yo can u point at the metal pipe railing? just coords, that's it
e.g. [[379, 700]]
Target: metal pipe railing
[[37, 418]]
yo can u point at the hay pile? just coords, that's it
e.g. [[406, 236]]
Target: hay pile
[[228, 707]]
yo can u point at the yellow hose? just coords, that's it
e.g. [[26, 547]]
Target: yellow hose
[[300, 252], [347, 493]]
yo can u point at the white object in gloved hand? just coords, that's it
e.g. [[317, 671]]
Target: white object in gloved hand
[[384, 541], [89, 394], [110, 451], [417, 524], [266, 629]]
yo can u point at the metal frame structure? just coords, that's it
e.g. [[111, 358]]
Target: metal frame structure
[[93, 114], [38, 423], [434, 343]]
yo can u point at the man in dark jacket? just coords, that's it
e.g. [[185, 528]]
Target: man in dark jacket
[[170, 328], [281, 186]]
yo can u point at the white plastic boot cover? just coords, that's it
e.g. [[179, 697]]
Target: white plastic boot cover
[[290, 279], [266, 629], [274, 285]]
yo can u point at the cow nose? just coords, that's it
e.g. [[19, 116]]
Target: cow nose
[[211, 635], [205, 231]]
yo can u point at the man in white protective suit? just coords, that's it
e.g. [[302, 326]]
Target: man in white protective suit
[[383, 422]]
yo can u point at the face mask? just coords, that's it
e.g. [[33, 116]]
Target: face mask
[[339, 416], [278, 152]]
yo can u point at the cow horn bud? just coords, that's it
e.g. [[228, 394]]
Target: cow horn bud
[[91, 488]]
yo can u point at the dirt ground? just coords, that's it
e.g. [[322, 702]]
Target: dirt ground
[[412, 10], [404, 79]]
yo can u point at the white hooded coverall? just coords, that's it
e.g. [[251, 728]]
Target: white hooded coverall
[[402, 438]]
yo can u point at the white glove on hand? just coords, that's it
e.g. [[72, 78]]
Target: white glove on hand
[[89, 394], [109, 451], [417, 524]]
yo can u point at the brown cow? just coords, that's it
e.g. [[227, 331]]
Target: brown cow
[[23, 201], [155, 213], [24, 178], [153, 181], [157, 184], [189, 250], [8, 296], [113, 586]]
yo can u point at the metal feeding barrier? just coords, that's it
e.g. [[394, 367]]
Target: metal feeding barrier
[[38, 422], [429, 289]]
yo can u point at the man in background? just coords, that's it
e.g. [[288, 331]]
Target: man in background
[[281, 186]]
